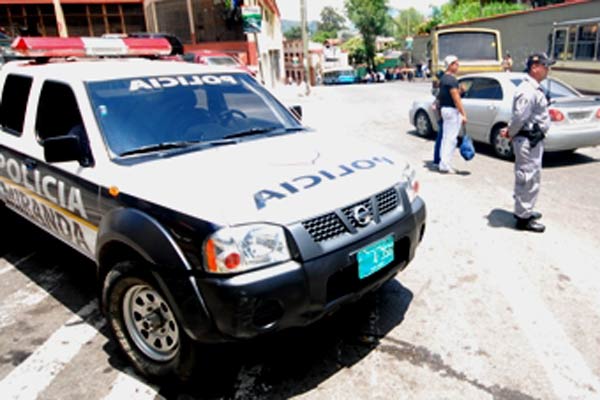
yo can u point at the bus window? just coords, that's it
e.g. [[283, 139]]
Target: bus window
[[560, 39]]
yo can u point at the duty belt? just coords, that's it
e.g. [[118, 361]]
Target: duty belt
[[534, 137]]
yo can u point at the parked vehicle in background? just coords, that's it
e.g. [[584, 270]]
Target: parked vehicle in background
[[339, 75], [478, 49], [576, 48], [216, 58], [488, 97]]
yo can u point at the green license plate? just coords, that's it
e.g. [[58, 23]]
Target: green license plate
[[375, 256]]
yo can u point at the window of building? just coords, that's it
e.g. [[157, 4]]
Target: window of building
[[586, 42], [14, 103]]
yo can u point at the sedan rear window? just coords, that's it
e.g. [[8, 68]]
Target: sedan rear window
[[557, 89]]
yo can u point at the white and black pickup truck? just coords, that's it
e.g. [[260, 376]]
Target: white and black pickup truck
[[211, 212]]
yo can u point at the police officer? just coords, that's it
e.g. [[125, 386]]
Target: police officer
[[529, 123]]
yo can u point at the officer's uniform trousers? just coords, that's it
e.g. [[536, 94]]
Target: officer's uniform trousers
[[528, 170]]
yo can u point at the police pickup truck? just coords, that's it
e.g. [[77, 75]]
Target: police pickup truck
[[211, 212]]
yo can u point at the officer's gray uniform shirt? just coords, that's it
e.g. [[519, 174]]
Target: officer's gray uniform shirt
[[530, 106]]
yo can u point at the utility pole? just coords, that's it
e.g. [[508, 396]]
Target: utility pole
[[303, 24], [60, 19]]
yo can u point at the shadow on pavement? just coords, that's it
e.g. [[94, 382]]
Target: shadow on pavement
[[499, 218], [566, 159], [280, 365], [296, 361]]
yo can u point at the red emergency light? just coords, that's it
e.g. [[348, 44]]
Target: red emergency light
[[90, 47]]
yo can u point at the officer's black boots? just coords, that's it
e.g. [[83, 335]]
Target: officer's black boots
[[530, 224]]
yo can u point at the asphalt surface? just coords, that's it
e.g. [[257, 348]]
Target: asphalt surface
[[482, 312]]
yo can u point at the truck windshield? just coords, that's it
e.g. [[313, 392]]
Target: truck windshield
[[468, 46], [147, 112]]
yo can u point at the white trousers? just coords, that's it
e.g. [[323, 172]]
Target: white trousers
[[451, 128]]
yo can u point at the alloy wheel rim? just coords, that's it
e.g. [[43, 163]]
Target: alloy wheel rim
[[150, 323], [502, 146], [422, 124]]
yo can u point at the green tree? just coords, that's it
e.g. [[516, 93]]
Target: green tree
[[369, 17], [331, 21], [407, 23], [356, 50], [294, 33], [465, 10]]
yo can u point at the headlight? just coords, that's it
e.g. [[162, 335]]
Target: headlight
[[245, 247], [409, 175]]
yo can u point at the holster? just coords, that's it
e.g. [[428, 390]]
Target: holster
[[534, 136]]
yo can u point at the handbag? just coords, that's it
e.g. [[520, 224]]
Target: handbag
[[467, 150]]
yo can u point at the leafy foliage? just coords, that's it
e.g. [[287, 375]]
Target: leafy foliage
[[369, 17], [356, 50], [331, 22], [407, 23], [465, 10], [294, 33]]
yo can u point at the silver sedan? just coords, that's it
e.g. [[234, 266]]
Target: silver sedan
[[487, 99]]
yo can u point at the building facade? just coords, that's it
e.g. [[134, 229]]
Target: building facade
[[82, 17], [199, 24]]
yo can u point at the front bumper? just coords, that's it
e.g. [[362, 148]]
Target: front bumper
[[302, 291]]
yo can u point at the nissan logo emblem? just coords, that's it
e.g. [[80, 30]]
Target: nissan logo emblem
[[361, 215]]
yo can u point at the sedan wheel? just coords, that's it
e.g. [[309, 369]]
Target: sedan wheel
[[423, 124], [502, 146]]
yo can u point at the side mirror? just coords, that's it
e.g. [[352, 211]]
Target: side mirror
[[297, 111], [62, 148]]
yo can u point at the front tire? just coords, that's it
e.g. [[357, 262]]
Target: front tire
[[502, 146], [145, 325], [423, 124]]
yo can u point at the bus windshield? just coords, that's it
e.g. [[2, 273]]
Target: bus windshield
[[468, 46]]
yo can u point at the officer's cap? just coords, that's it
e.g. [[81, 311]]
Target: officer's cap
[[539, 58]]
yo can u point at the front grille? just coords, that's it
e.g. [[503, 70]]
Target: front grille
[[325, 227], [387, 201], [349, 211], [329, 226]]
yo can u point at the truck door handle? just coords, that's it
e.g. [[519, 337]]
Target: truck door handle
[[30, 164]]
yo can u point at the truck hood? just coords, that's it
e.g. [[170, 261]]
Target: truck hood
[[281, 179]]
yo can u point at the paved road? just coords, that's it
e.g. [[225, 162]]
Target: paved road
[[483, 312]]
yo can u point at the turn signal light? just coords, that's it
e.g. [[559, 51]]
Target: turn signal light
[[556, 115]]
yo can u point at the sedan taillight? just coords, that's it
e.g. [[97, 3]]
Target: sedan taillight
[[556, 115], [598, 113]]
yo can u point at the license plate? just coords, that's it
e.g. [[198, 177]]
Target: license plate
[[375, 256]]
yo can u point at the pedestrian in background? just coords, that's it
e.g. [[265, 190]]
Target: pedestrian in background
[[507, 63], [528, 126], [453, 113]]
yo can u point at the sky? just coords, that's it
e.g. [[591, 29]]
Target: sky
[[290, 9]]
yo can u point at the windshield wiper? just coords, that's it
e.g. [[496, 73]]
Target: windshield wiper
[[174, 145], [250, 132], [256, 131]]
